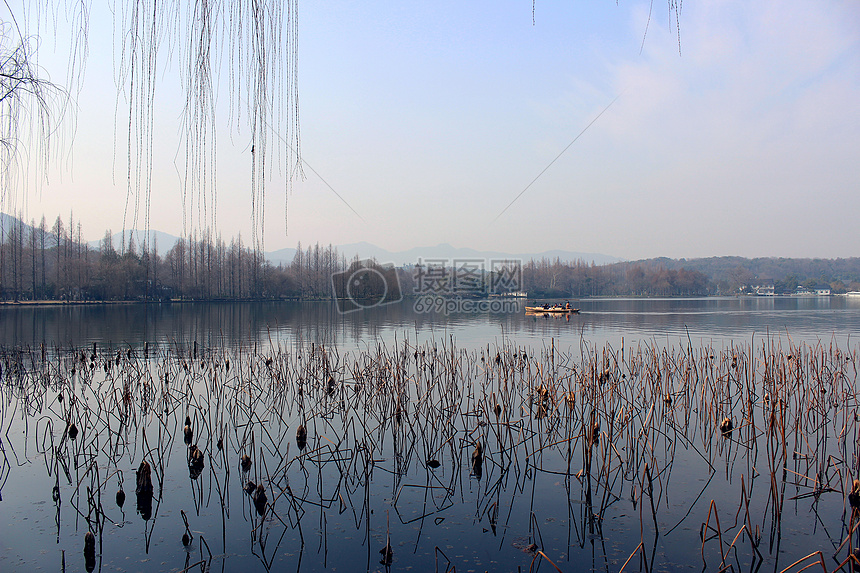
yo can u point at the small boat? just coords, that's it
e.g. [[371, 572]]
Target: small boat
[[551, 310]]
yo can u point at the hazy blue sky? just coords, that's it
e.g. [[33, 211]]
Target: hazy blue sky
[[428, 118]]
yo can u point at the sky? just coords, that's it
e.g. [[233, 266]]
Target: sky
[[462, 123]]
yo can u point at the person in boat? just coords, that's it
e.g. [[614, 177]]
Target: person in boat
[[567, 305], [546, 306]]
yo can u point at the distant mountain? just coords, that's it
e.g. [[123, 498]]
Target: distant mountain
[[283, 256], [364, 250], [166, 241], [163, 241], [740, 269], [8, 222], [446, 251]]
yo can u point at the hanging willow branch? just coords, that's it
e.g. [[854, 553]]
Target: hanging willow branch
[[199, 115], [264, 80], [260, 41], [255, 40], [141, 28], [30, 108]]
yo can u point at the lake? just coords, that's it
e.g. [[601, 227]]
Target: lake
[[440, 441], [717, 320]]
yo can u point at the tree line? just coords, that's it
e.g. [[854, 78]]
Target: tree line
[[42, 263], [38, 262], [689, 277], [557, 279]]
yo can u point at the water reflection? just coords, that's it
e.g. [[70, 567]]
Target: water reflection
[[281, 324]]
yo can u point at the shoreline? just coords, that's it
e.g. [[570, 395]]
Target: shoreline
[[56, 303]]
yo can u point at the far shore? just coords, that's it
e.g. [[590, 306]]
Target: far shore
[[130, 302], [56, 303], [65, 302]]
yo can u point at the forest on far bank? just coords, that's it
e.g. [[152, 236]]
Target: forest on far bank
[[724, 276], [41, 263]]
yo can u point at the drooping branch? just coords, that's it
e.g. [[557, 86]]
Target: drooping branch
[[30, 108], [264, 78], [257, 42], [142, 26]]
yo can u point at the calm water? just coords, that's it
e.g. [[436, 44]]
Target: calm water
[[717, 321], [364, 477]]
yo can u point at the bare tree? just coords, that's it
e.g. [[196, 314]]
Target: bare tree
[[33, 250], [43, 233], [58, 234]]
